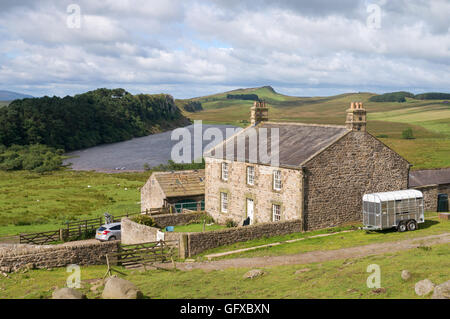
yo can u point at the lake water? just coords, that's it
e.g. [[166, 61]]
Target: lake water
[[132, 154]]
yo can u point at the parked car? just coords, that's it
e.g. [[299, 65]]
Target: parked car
[[108, 232]]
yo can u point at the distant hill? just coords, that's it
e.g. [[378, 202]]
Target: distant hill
[[89, 119], [9, 95]]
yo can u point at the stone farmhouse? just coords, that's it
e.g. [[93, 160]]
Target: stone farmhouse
[[322, 173], [181, 189]]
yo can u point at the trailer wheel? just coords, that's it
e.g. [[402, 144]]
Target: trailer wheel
[[402, 227], [412, 225]]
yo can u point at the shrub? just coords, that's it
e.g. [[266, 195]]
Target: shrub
[[172, 166], [207, 219], [230, 223], [144, 220], [37, 158], [408, 134]]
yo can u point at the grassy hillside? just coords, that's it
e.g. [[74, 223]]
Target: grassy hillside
[[39, 202], [331, 279], [429, 119]]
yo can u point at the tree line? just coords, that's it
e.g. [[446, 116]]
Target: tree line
[[402, 95]]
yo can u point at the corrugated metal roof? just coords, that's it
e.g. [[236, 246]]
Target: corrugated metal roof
[[181, 183], [429, 177], [395, 195], [297, 142]]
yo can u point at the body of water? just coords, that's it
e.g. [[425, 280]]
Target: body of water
[[133, 154]]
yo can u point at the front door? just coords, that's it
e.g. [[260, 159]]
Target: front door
[[250, 209]]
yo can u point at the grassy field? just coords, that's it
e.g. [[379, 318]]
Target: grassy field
[[432, 226], [334, 279], [33, 202], [429, 119]]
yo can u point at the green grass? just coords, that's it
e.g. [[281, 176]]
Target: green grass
[[198, 227], [333, 279], [429, 119], [431, 226], [34, 202]]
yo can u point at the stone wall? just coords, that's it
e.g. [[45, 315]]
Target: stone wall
[[88, 252], [199, 242], [337, 178], [191, 244], [430, 195], [178, 218], [152, 195], [134, 233], [262, 193]]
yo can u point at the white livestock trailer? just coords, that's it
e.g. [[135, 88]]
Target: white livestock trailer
[[400, 209]]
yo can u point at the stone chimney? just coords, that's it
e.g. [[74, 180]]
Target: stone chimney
[[259, 113], [356, 117]]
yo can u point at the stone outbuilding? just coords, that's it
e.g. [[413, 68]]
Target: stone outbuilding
[[431, 182], [177, 189], [320, 178]]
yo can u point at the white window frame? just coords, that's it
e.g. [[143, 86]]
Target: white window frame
[[224, 202], [277, 183], [224, 171], [276, 212], [251, 177]]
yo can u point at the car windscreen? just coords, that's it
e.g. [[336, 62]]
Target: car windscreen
[[101, 228]]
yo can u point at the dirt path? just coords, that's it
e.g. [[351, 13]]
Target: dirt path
[[316, 256]]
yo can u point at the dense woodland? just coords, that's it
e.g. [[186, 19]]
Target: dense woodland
[[402, 95], [85, 120]]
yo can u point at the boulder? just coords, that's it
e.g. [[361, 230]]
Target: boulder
[[118, 288], [67, 293], [254, 273], [424, 287], [406, 275], [442, 291]]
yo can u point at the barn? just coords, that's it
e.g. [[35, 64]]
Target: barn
[[180, 189]]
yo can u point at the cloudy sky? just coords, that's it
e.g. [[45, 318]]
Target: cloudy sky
[[191, 47]]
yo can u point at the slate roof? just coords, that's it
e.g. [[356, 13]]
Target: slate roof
[[429, 177], [297, 142], [181, 183]]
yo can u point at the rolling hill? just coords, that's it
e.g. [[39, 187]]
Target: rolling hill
[[10, 96], [429, 119]]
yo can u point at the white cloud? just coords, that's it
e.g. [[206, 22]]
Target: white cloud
[[195, 47]]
